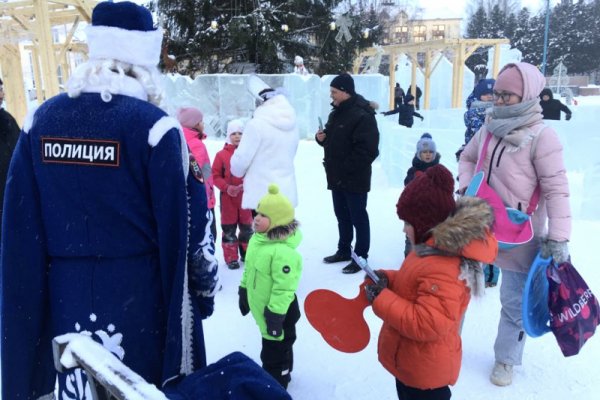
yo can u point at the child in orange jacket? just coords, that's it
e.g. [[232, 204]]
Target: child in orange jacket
[[422, 304]]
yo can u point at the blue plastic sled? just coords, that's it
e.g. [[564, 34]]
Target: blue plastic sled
[[536, 315]]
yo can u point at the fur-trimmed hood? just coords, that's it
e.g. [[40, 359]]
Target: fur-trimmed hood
[[467, 234], [284, 231], [472, 220]]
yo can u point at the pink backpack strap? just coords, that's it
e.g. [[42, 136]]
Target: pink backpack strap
[[535, 197], [483, 152]]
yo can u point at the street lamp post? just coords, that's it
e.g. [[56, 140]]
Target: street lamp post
[[546, 26]]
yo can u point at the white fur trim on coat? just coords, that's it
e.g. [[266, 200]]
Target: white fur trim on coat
[[160, 128], [28, 123]]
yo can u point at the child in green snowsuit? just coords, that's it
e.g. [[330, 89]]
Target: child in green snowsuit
[[271, 275]]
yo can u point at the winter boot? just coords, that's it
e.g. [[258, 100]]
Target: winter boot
[[233, 265], [337, 257], [351, 268], [501, 374]]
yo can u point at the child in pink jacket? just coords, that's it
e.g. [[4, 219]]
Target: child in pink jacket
[[192, 123], [233, 216]]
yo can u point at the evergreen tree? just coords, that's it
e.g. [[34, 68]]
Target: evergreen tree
[[477, 27], [497, 23], [268, 34], [478, 24], [522, 30]]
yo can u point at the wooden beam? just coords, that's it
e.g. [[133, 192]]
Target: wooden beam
[[496, 64], [460, 73], [10, 63], [46, 49], [462, 49], [68, 39], [427, 82], [392, 81], [86, 7], [37, 75], [413, 74], [455, 61]]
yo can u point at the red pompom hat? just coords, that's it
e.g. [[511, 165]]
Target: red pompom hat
[[427, 201]]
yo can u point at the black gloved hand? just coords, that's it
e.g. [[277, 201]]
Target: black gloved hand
[[373, 289], [274, 322], [568, 117], [243, 301], [558, 250], [422, 118]]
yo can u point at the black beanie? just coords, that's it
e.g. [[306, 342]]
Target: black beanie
[[343, 82]]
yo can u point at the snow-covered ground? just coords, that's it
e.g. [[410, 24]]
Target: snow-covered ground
[[321, 372]]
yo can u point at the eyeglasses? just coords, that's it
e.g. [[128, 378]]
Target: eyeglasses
[[505, 96]]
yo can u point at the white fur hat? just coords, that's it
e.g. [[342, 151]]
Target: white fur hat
[[235, 125], [124, 31]]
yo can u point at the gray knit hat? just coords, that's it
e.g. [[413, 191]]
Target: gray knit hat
[[426, 143]]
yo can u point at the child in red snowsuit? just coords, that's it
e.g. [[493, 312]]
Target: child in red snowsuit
[[231, 187]]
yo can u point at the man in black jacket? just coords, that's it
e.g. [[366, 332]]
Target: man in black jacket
[[350, 140], [551, 107], [9, 133]]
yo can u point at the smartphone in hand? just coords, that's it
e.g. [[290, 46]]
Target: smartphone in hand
[[320, 124]]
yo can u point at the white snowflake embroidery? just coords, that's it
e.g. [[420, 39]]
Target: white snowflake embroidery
[[77, 385]]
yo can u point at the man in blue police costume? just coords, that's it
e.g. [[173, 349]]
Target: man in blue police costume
[[97, 238]]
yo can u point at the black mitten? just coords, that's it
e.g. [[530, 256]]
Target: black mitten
[[373, 289], [568, 117], [274, 322], [243, 301]]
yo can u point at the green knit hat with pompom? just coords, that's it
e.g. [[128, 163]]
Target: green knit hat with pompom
[[277, 207]]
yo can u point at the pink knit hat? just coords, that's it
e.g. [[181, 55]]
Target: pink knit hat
[[189, 117], [510, 80]]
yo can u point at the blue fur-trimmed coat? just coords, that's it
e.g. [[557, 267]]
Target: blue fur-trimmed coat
[[95, 240]]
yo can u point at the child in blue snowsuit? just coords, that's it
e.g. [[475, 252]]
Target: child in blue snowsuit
[[478, 103], [105, 223]]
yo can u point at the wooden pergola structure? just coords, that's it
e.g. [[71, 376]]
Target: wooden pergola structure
[[461, 50], [32, 21]]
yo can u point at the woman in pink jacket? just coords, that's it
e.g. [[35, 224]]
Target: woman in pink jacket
[[191, 121], [522, 154]]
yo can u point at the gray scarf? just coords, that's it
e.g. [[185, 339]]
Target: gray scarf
[[511, 122]]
